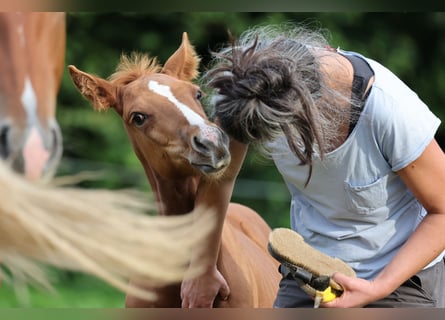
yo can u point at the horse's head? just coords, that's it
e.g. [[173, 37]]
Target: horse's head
[[32, 51], [161, 112]]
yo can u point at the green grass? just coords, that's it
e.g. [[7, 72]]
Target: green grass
[[72, 290]]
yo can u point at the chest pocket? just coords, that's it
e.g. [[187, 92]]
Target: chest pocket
[[364, 199]]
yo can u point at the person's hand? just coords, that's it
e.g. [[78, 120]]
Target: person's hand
[[357, 292], [200, 292]]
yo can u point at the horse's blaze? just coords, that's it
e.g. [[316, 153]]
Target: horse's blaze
[[210, 146], [35, 155]]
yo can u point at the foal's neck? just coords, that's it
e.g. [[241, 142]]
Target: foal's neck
[[174, 197]]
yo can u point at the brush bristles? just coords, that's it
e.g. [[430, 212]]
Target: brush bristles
[[288, 246]]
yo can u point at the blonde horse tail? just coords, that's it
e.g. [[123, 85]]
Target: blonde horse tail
[[104, 233]]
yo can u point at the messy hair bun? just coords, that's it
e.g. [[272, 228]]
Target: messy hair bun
[[267, 84]]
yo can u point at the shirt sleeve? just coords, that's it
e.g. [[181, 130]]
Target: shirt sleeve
[[406, 126]]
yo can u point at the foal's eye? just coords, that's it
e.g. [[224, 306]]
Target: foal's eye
[[138, 119], [198, 94]]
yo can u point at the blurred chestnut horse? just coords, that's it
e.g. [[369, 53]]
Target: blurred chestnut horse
[[178, 146], [32, 56]]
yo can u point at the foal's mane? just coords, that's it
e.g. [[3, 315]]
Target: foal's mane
[[133, 66]]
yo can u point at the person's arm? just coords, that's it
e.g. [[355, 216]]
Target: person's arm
[[425, 177], [214, 196]]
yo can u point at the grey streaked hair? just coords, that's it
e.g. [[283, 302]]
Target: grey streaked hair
[[269, 82]]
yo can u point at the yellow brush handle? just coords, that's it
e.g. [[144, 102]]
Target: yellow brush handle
[[328, 294]]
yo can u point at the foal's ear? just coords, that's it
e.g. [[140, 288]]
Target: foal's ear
[[183, 64], [98, 91]]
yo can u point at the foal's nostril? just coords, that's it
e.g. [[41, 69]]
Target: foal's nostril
[[200, 145], [5, 149]]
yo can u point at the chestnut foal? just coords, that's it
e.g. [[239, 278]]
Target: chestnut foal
[[178, 146]]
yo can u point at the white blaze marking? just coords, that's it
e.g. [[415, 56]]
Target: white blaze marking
[[21, 34], [35, 154], [29, 99], [192, 117], [208, 132]]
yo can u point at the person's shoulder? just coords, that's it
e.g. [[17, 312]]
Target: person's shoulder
[[389, 83]]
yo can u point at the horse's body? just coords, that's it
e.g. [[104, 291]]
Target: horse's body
[[244, 261], [178, 147], [32, 50]]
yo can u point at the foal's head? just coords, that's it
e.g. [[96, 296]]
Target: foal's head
[[161, 112]]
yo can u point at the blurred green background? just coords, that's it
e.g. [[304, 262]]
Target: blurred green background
[[411, 44]]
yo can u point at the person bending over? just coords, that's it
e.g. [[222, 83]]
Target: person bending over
[[356, 149]]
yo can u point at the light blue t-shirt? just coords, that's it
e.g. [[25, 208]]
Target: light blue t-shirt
[[355, 206]]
